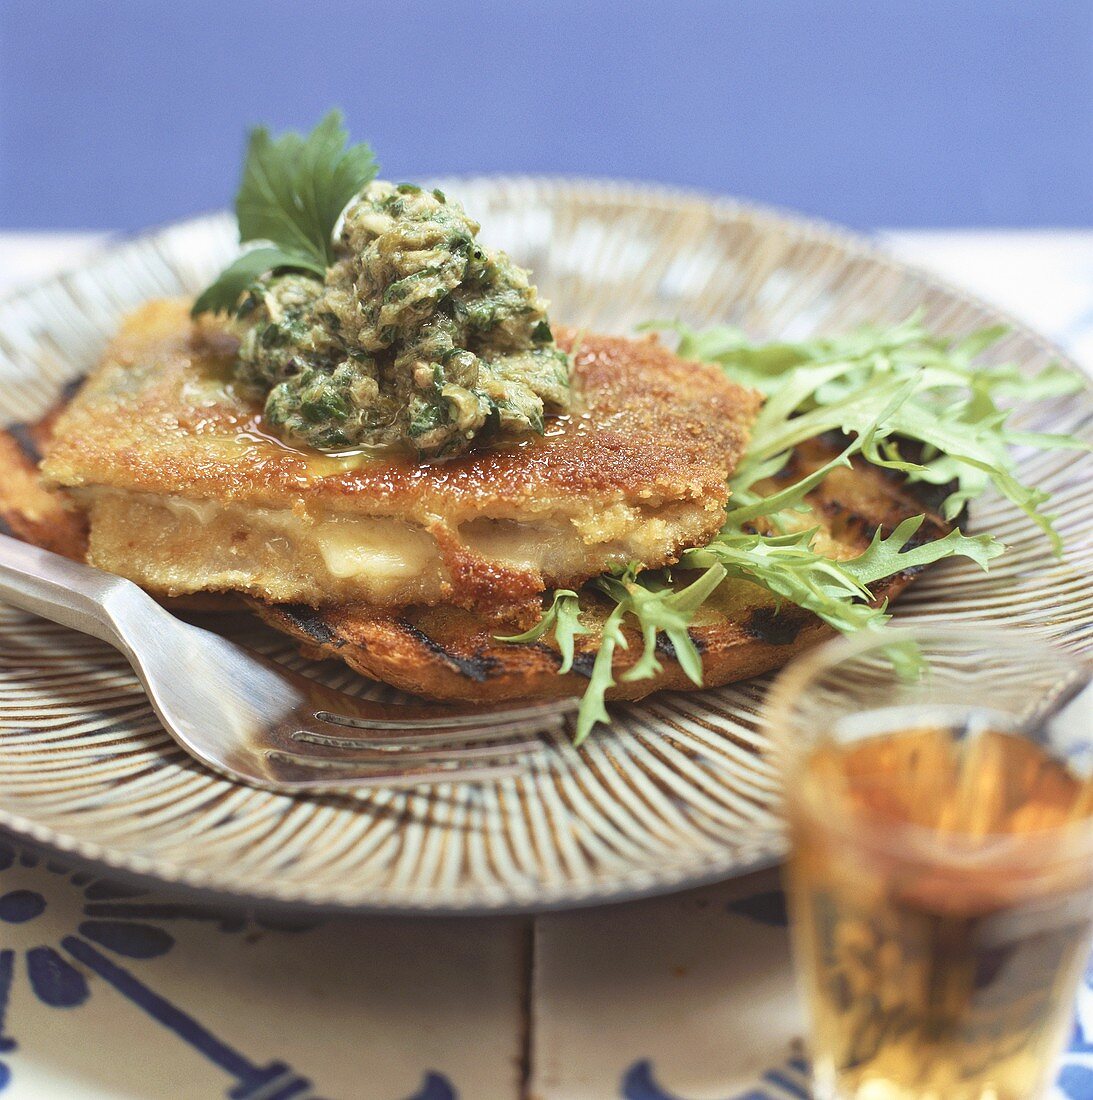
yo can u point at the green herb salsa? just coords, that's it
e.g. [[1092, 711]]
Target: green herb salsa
[[417, 338]]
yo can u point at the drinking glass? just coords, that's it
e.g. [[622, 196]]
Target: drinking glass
[[939, 800]]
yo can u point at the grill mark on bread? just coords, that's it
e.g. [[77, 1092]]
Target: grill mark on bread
[[665, 647], [474, 667], [27, 510], [310, 622], [69, 390], [774, 626], [23, 434], [931, 497], [583, 664], [552, 654]]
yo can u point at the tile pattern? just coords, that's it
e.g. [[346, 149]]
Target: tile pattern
[[117, 991]]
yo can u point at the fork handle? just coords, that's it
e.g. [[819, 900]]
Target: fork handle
[[64, 591]]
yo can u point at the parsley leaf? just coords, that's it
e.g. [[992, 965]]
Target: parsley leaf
[[222, 295], [292, 193], [295, 188]]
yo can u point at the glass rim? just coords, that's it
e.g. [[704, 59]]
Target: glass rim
[[1061, 843]]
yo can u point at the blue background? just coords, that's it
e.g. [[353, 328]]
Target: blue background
[[120, 113]]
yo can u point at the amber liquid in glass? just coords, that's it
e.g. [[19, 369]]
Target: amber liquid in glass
[[929, 976]]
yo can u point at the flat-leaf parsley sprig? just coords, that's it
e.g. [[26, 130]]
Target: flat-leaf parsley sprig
[[292, 193], [890, 392]]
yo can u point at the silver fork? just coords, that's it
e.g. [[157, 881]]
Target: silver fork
[[258, 722]]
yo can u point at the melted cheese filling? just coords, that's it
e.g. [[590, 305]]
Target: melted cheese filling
[[348, 545], [176, 546]]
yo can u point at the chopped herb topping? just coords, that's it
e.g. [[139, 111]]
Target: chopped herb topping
[[403, 332]]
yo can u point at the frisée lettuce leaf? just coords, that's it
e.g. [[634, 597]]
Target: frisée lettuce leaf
[[902, 399]]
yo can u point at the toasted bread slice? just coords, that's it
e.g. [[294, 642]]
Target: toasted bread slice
[[28, 511], [186, 492]]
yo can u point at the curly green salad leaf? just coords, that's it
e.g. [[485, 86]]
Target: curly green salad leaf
[[563, 617], [293, 191], [906, 400]]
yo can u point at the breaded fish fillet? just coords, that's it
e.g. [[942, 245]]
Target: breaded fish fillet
[[186, 492]]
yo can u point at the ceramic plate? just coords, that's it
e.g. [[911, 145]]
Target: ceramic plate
[[676, 791]]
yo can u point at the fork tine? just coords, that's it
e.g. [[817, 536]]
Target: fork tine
[[293, 777], [404, 760], [434, 715], [236, 711], [348, 769], [393, 738]]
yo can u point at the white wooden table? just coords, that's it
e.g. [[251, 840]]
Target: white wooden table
[[681, 998]]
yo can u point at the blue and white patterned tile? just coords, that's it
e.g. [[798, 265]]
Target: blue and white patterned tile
[[692, 998], [106, 991], [684, 997]]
